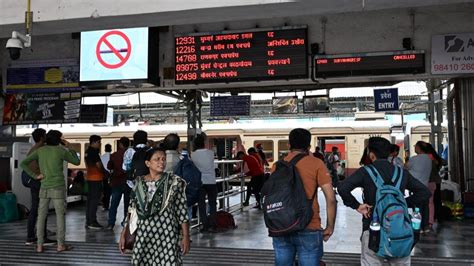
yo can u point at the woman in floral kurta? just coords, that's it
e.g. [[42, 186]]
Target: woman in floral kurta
[[162, 232]]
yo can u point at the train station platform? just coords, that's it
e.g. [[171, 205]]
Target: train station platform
[[248, 244]]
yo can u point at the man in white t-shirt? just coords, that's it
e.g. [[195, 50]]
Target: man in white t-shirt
[[204, 160]]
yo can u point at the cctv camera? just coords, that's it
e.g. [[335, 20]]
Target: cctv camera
[[16, 43], [14, 47]]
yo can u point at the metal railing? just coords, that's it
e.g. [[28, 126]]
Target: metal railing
[[224, 182]]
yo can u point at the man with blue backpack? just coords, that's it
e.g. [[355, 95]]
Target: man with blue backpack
[[385, 210]]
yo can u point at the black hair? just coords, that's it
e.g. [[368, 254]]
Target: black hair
[[240, 153], [108, 148], [429, 149], [394, 148], [299, 139], [380, 147], [199, 141], [94, 138], [140, 137], [251, 150], [150, 152], [334, 148], [125, 142], [53, 137], [171, 142], [38, 134]]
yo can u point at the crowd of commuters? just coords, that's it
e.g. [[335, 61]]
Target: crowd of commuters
[[143, 174]]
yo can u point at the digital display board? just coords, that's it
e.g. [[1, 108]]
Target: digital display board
[[230, 106], [285, 105], [369, 64], [262, 54], [114, 54], [119, 56], [316, 104]]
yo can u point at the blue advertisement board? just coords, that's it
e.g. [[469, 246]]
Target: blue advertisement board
[[386, 99], [43, 76]]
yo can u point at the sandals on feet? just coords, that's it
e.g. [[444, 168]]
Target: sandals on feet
[[64, 248], [39, 249]]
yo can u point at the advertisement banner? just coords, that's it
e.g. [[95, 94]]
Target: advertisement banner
[[452, 54], [42, 108], [43, 76]]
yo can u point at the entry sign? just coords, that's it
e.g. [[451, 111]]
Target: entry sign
[[386, 99], [452, 54]]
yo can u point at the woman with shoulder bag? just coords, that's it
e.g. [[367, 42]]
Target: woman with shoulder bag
[[157, 215]]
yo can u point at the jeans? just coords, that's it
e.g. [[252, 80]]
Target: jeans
[[211, 192], [308, 244], [58, 196], [93, 197], [115, 202], [33, 215]]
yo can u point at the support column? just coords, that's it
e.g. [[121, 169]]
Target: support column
[[467, 95], [452, 157], [193, 105]]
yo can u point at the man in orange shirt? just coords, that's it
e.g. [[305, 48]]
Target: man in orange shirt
[[308, 244], [95, 175]]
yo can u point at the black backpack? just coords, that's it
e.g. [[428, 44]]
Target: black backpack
[[187, 170], [138, 166], [285, 206]]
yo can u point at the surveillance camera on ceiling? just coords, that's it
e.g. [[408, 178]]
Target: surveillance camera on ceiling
[[16, 43]]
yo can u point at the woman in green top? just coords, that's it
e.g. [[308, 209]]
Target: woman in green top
[[162, 230], [51, 159]]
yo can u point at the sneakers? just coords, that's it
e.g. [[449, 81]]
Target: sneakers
[[95, 226], [30, 241], [110, 227], [47, 242]]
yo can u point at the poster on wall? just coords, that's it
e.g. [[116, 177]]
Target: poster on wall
[[42, 108]]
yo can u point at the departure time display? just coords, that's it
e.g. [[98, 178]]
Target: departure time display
[[241, 56], [369, 64]]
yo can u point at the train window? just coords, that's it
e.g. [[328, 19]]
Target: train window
[[283, 148], [267, 146], [77, 147]]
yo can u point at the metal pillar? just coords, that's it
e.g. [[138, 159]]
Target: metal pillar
[[467, 97], [193, 102], [452, 157]]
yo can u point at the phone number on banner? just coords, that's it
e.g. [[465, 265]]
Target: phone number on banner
[[453, 67]]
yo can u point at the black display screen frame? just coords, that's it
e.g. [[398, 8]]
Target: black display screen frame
[[198, 81], [305, 108], [153, 75], [368, 64], [275, 107]]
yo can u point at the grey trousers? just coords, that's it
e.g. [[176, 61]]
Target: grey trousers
[[58, 196], [369, 258]]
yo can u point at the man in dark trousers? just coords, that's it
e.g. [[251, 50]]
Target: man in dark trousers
[[39, 137], [118, 182], [95, 177], [379, 150]]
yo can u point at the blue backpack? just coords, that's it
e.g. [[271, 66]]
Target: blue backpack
[[191, 174], [396, 233]]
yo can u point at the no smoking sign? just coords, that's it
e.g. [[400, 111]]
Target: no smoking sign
[[113, 49]]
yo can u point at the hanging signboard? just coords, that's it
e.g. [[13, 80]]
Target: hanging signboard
[[230, 106], [42, 108], [386, 100], [452, 54], [252, 55]]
